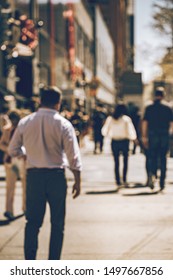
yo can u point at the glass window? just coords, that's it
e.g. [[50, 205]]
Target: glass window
[[44, 11], [23, 6]]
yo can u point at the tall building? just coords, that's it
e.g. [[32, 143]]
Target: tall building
[[119, 16], [115, 16]]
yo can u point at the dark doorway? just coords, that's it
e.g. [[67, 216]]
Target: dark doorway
[[24, 73]]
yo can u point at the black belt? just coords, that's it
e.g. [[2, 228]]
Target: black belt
[[45, 169]]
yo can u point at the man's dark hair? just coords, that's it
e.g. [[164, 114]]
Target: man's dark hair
[[50, 96], [159, 92]]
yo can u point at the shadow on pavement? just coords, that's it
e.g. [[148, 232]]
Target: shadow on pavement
[[141, 193], [6, 222], [170, 183], [102, 192], [134, 186], [129, 186]]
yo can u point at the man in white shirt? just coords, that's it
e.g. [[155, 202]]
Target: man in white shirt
[[47, 138]]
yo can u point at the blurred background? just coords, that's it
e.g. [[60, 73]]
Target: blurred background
[[96, 51]]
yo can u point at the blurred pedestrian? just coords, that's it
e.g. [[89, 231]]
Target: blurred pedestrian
[[14, 167], [98, 120], [120, 129], [85, 128], [135, 117], [157, 121], [77, 122], [4, 120], [66, 113], [47, 138]]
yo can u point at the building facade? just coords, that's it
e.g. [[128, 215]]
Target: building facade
[[104, 60], [73, 50]]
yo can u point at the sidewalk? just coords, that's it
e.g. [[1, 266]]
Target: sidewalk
[[135, 223]]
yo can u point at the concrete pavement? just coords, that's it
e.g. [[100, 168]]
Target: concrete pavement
[[134, 223]]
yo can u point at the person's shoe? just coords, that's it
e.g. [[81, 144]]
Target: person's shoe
[[9, 215], [151, 180], [125, 184], [147, 183], [162, 186]]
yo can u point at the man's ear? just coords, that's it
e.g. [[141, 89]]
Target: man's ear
[[57, 106]]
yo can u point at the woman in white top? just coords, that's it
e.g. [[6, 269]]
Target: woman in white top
[[120, 129]]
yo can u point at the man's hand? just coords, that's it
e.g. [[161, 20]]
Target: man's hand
[[76, 187], [136, 142], [76, 190], [145, 142], [22, 157]]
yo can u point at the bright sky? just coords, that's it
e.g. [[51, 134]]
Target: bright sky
[[149, 45]]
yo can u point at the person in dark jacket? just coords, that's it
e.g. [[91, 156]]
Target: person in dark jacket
[[98, 120], [157, 122]]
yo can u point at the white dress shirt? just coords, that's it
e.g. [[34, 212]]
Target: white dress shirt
[[49, 140], [119, 129]]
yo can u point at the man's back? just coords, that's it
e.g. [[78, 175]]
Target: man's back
[[159, 116], [46, 137]]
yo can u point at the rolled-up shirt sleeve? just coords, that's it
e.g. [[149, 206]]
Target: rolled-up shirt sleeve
[[15, 147], [71, 148]]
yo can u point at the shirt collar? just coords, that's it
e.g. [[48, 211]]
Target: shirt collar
[[47, 110]]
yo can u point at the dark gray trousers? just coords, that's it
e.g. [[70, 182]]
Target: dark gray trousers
[[45, 185], [158, 148]]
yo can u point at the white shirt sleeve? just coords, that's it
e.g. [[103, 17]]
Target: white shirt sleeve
[[15, 148], [71, 148], [131, 130], [106, 126]]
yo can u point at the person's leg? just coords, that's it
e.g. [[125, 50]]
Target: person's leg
[[115, 152], [163, 160], [153, 155], [134, 148], [125, 150], [11, 179], [56, 196], [101, 143], [95, 145], [22, 171], [147, 165], [35, 210]]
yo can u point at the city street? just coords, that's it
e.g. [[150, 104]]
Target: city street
[[134, 223]]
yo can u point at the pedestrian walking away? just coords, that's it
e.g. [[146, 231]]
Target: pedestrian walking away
[[156, 126], [14, 167], [120, 129], [98, 120], [135, 117], [48, 138]]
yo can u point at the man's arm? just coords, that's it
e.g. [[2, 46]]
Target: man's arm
[[16, 143], [171, 128], [145, 133], [72, 151], [3, 141], [77, 185]]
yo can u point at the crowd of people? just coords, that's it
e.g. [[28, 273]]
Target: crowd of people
[[34, 149]]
